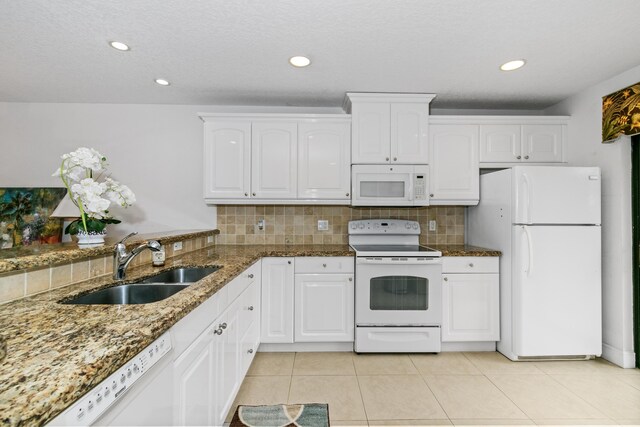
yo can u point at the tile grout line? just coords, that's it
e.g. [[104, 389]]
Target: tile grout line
[[509, 398]]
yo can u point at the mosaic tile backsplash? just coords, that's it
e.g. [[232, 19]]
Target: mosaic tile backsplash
[[299, 224]]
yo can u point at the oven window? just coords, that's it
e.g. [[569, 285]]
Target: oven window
[[399, 293], [381, 189]]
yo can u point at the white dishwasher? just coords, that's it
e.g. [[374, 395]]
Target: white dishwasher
[[139, 393]]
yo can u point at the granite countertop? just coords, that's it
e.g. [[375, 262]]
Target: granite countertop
[[25, 257], [56, 353]]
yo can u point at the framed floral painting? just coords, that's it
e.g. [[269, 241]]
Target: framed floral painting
[[25, 216], [621, 113]]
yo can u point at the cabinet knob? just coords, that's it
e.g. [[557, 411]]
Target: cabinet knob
[[395, 159], [218, 331], [519, 157], [250, 308], [246, 194], [351, 279], [324, 265], [251, 276], [387, 159], [347, 194], [526, 157], [223, 325], [431, 195], [470, 264], [253, 194], [250, 351], [446, 279], [289, 262]]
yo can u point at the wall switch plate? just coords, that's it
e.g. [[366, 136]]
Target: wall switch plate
[[323, 225], [177, 246], [259, 227], [432, 225], [209, 239]]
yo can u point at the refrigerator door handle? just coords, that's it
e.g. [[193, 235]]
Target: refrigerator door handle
[[530, 247], [527, 200]]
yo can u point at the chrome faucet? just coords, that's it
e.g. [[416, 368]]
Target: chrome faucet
[[121, 258]]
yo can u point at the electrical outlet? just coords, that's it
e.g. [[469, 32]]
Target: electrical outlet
[[323, 225], [209, 239], [259, 226], [432, 225], [177, 246]]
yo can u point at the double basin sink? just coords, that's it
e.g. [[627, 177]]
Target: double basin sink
[[152, 289]]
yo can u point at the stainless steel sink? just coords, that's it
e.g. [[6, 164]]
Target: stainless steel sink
[[129, 294], [180, 275]]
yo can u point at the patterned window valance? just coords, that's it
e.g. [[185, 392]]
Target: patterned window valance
[[621, 113]]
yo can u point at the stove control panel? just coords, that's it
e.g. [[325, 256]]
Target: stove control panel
[[93, 404], [384, 226]]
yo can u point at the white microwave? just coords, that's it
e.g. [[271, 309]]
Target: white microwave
[[389, 185]]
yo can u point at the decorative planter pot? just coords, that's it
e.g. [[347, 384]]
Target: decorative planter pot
[[90, 239]]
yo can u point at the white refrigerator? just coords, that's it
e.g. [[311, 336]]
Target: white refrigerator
[[546, 221]]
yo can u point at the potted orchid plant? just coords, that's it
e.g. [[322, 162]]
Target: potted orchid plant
[[82, 172]]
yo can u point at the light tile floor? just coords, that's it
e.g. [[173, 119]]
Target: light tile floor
[[445, 389]]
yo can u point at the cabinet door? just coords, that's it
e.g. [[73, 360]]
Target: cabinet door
[[277, 300], [324, 307], [194, 388], [409, 133], [227, 378], [274, 158], [454, 172], [324, 160], [500, 143], [370, 133], [470, 307], [542, 143], [227, 159]]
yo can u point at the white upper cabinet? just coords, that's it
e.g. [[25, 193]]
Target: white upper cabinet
[[227, 159], [324, 160], [389, 128], [274, 154], [520, 139], [454, 171], [370, 133], [409, 134]]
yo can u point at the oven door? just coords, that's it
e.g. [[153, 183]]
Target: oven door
[[398, 291]]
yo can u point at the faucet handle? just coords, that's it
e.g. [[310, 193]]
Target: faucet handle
[[127, 236]]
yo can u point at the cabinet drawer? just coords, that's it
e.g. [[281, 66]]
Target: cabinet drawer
[[242, 282], [324, 264], [466, 264]]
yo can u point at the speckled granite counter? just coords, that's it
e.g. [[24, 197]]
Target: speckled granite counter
[[465, 250], [25, 257], [56, 353]]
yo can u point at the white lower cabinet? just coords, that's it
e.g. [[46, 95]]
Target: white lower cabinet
[[208, 374], [277, 300], [324, 307], [470, 293]]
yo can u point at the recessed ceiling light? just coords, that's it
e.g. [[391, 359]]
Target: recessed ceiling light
[[119, 46], [162, 82], [513, 65], [299, 61]]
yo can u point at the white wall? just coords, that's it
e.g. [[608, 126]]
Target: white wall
[[586, 149], [154, 149]]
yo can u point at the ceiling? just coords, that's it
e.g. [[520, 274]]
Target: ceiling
[[235, 52]]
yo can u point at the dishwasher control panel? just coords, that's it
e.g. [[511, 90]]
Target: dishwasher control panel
[[92, 405]]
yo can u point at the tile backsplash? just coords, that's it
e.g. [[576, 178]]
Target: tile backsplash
[[299, 224]]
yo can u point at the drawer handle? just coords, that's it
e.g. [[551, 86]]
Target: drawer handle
[[223, 325], [251, 276], [250, 308], [470, 264], [250, 351], [446, 279], [218, 331]]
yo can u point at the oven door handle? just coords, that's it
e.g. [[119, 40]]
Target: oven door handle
[[399, 261]]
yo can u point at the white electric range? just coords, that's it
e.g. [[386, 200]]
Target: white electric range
[[398, 288]]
